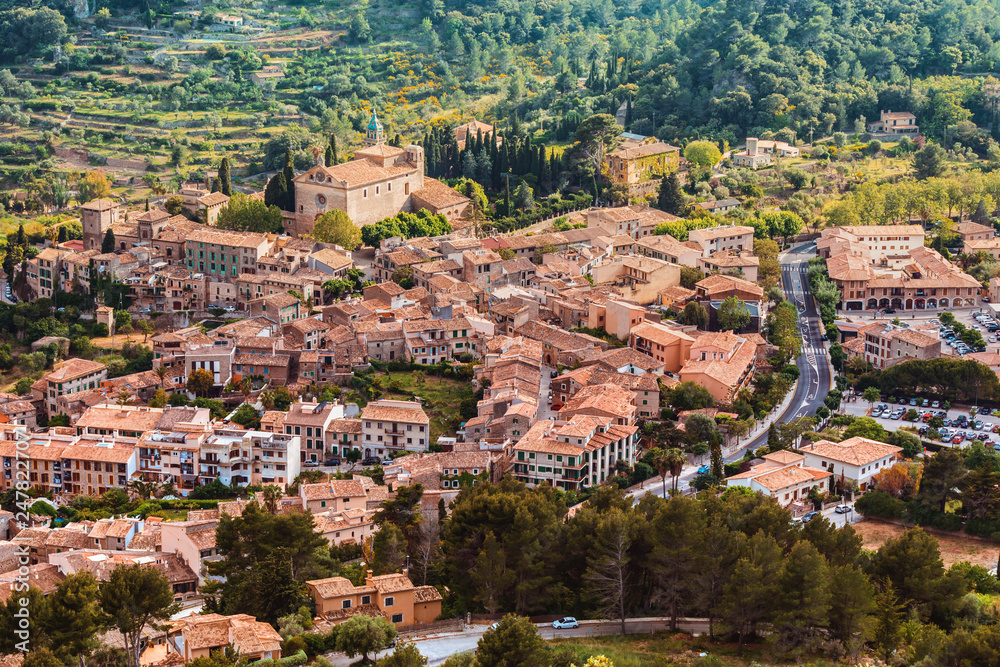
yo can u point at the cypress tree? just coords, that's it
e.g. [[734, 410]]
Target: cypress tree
[[773, 441], [594, 190], [20, 239], [328, 156], [108, 244], [995, 127], [289, 183], [333, 149], [147, 204], [276, 192], [215, 184], [453, 157], [225, 184], [718, 467], [63, 236], [671, 197], [628, 115]]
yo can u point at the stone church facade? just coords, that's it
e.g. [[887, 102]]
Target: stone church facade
[[380, 181]]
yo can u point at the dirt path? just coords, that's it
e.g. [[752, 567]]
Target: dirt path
[[954, 548]]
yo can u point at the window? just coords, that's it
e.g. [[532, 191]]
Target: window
[[366, 599], [346, 604], [397, 618], [389, 602]]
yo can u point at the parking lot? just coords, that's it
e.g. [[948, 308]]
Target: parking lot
[[957, 420]]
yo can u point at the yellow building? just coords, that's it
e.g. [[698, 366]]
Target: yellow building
[[642, 166]]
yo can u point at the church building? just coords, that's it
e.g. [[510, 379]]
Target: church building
[[380, 181]]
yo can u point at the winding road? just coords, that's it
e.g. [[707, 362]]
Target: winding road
[[815, 378]]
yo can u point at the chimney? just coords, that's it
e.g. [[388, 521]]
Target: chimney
[[369, 578], [751, 145]]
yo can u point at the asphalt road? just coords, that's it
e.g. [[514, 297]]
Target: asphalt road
[[437, 649], [815, 379]]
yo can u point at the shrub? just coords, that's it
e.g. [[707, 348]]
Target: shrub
[[881, 505]]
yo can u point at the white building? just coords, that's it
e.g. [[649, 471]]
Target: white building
[[784, 477], [856, 459]]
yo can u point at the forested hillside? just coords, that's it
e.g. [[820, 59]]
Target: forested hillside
[[724, 68]]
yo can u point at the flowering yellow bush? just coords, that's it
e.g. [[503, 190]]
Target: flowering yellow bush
[[599, 661]]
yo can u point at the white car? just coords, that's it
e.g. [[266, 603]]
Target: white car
[[842, 509], [567, 622]]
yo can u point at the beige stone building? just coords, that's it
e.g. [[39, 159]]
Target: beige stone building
[[391, 596], [380, 181], [394, 426]]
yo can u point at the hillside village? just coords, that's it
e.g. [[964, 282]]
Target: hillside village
[[474, 333]]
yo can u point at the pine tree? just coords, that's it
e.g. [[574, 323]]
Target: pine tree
[[225, 183], [289, 183], [671, 197]]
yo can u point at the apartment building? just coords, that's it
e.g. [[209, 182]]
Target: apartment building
[[394, 426], [722, 238], [68, 377], [573, 453], [310, 422], [235, 456], [391, 596], [668, 345], [887, 344], [721, 362], [68, 464], [223, 253]]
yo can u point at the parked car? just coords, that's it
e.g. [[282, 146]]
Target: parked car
[[842, 509], [310, 464], [984, 411], [913, 402], [554, 374], [935, 404], [809, 516], [565, 622], [704, 469], [332, 462], [957, 440], [371, 461], [889, 311]]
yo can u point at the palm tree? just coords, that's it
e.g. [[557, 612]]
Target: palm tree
[[161, 374], [142, 489], [267, 399], [660, 460], [167, 488], [272, 494], [246, 388], [676, 459]]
